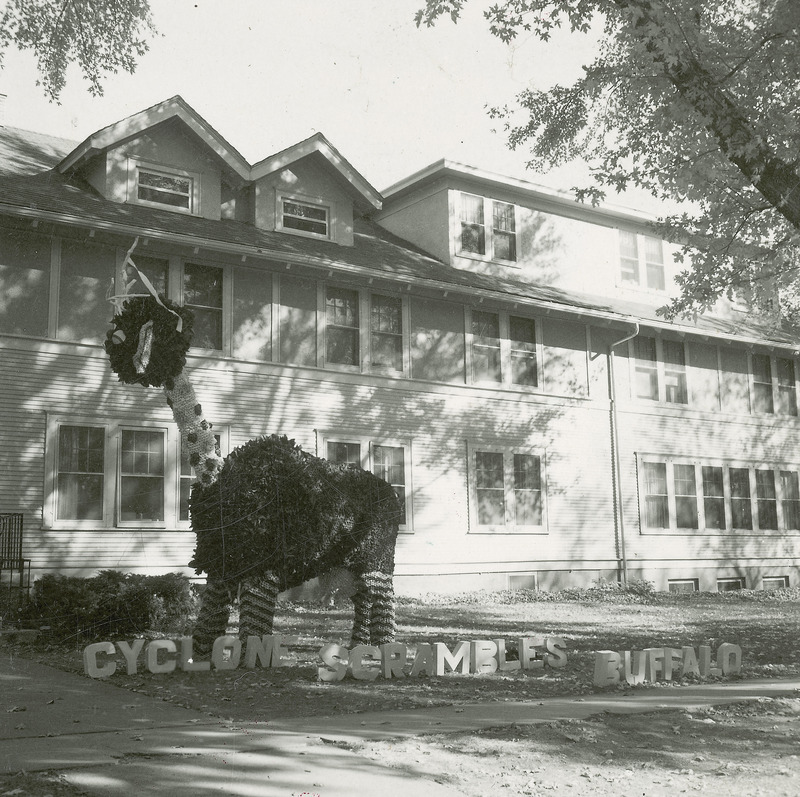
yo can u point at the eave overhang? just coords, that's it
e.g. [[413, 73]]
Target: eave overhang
[[319, 144], [173, 108], [504, 295], [523, 192]]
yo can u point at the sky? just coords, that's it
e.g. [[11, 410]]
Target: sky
[[266, 74]]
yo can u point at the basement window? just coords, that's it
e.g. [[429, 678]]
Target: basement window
[[683, 585], [730, 584]]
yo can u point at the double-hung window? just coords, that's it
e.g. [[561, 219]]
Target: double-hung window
[[641, 260], [80, 472], [683, 495], [164, 187], [363, 330], [762, 384], [787, 386], [105, 474], [187, 477], [485, 346], [503, 348], [507, 489], [504, 231], [713, 496], [202, 294], [790, 503], [386, 332], [25, 261], [674, 372], [115, 474], [388, 459], [487, 228], [522, 339], [774, 385], [342, 327], [141, 475], [306, 218], [659, 370], [646, 365], [473, 229]]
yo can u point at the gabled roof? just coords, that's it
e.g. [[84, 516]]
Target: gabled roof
[[524, 192], [173, 108], [26, 152], [177, 108], [318, 144]]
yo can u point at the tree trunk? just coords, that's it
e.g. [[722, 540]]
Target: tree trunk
[[775, 179]]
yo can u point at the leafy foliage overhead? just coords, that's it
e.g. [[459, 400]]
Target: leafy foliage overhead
[[101, 36], [692, 100]]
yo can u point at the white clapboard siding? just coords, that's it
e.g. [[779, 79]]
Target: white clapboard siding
[[703, 437]]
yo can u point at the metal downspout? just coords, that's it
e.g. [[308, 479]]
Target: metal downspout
[[616, 467]]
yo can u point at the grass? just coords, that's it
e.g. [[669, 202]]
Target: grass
[[656, 754], [765, 625]]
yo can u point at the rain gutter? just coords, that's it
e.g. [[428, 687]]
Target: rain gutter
[[619, 515]]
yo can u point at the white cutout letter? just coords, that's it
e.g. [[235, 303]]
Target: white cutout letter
[[90, 665], [335, 659], [221, 644], [131, 653]]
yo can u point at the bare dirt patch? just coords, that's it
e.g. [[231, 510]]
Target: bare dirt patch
[[750, 748]]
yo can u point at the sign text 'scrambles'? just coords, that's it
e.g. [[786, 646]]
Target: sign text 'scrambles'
[[362, 662]]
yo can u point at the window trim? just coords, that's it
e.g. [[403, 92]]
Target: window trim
[[508, 450], [312, 202], [726, 464], [642, 283], [784, 579], [775, 382], [112, 457], [364, 364], [661, 369], [366, 442], [404, 334], [506, 369], [135, 165], [488, 229], [695, 582], [740, 580], [227, 302]]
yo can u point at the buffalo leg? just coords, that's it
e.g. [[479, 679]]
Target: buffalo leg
[[257, 605], [380, 588], [362, 610], [212, 620]]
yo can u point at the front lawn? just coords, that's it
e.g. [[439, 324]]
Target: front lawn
[[765, 625]]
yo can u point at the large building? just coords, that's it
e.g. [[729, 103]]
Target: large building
[[490, 348]]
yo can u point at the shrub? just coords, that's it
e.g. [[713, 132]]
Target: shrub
[[12, 602], [641, 587], [111, 603]]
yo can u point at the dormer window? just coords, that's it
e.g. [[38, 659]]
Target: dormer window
[[304, 217], [641, 260], [488, 229], [162, 187]]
